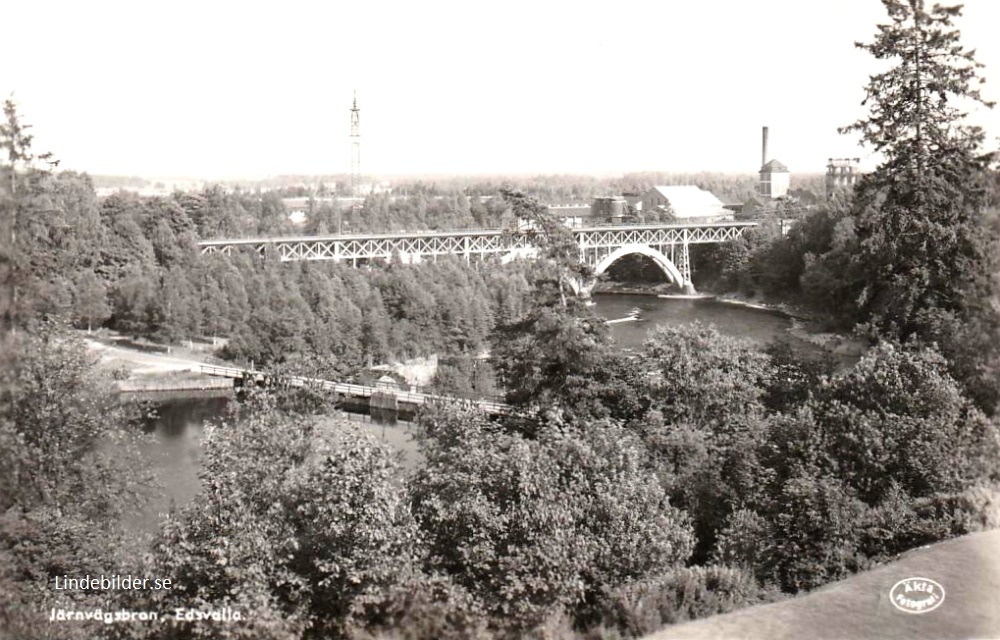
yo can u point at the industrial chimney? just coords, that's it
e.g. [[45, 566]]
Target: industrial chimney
[[763, 148]]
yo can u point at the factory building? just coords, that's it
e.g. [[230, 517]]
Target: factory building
[[606, 208], [842, 174], [684, 201], [774, 176]]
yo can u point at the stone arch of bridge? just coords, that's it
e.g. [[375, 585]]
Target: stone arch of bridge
[[662, 261]]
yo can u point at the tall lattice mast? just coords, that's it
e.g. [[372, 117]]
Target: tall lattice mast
[[355, 149]]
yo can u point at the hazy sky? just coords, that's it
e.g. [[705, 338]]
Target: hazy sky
[[250, 89]]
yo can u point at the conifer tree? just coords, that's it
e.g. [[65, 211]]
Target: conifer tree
[[16, 164], [925, 255]]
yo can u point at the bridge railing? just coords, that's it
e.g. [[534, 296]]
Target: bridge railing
[[389, 235]]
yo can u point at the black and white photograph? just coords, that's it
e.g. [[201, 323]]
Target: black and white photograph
[[383, 320]]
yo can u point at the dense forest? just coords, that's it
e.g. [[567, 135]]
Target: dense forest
[[130, 263], [621, 493]]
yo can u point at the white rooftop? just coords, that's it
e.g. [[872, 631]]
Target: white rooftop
[[690, 201]]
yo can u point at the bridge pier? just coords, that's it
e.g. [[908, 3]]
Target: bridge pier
[[383, 407], [682, 259], [685, 267]]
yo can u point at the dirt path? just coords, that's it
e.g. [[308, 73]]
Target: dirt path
[[140, 362], [858, 608], [418, 371]]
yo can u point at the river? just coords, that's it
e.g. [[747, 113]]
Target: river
[[173, 452], [633, 316]]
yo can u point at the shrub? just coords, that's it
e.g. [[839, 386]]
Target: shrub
[[980, 506], [891, 527], [746, 542], [899, 523], [425, 608], [535, 527], [899, 417], [706, 425], [644, 606], [817, 537], [306, 531], [63, 490], [947, 515]]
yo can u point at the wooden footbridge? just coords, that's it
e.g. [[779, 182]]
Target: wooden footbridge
[[386, 397]]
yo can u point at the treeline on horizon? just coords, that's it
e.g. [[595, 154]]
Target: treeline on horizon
[[548, 188]]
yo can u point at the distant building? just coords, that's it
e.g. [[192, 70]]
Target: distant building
[[774, 176], [374, 188], [633, 200], [804, 197], [299, 209], [610, 207], [774, 180], [842, 174], [736, 208], [685, 201], [523, 224]]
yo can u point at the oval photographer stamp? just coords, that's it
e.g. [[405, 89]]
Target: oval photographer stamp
[[916, 595]]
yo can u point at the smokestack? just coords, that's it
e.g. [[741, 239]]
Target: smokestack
[[763, 148]]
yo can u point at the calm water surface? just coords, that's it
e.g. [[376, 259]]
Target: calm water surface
[[172, 452], [757, 325]]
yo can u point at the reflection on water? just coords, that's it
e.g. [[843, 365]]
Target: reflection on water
[[172, 453]]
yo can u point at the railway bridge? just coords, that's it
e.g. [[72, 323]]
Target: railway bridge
[[600, 246]]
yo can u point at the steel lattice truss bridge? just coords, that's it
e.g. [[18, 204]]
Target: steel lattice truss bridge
[[600, 246]]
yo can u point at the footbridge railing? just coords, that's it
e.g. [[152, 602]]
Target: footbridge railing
[[351, 389]]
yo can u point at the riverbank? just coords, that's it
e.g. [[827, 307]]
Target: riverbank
[[150, 367], [157, 371], [806, 326], [130, 362], [637, 289]]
